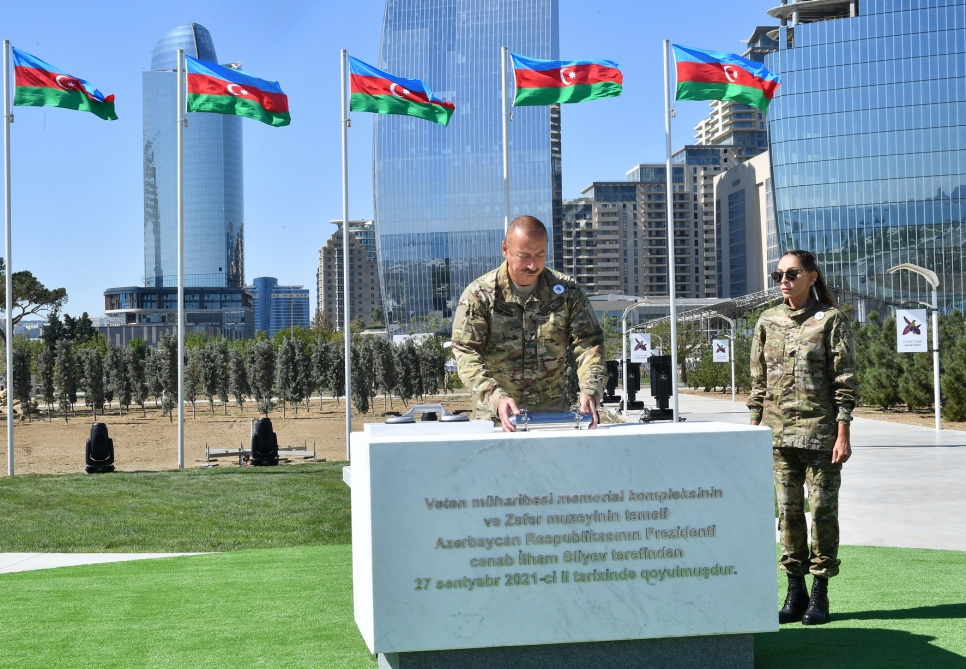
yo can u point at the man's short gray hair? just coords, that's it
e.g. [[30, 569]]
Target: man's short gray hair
[[529, 226]]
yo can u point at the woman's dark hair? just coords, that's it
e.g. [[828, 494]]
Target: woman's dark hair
[[809, 264]]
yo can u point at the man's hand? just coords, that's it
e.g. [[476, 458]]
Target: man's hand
[[589, 405], [842, 450], [507, 408]]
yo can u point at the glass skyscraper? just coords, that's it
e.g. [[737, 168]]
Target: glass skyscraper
[[868, 140], [213, 196], [438, 190]]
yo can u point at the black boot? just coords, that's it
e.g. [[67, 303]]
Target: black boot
[[795, 602], [817, 613]]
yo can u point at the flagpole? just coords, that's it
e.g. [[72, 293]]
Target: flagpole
[[504, 52], [7, 120], [181, 315], [346, 332], [670, 227]]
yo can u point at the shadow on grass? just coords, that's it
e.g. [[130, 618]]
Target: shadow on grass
[[830, 648], [918, 613]]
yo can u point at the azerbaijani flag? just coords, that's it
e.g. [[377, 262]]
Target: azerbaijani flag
[[222, 90], [38, 84], [549, 82], [716, 75], [383, 93]]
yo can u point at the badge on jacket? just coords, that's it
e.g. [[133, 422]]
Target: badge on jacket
[[558, 289]]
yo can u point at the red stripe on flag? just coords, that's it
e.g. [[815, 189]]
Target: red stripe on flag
[[723, 73], [367, 85], [36, 78], [567, 76], [203, 84]]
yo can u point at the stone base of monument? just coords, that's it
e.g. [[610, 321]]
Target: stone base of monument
[[730, 651]]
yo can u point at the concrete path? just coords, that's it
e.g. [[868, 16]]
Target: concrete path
[[11, 562], [905, 486]]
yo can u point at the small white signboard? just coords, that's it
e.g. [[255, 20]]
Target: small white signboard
[[911, 332], [721, 349], [640, 347]]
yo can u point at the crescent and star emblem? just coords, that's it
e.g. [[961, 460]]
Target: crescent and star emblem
[[67, 83], [567, 75], [241, 91], [731, 73], [392, 89]]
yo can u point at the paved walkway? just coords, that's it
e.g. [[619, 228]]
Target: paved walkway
[[905, 486]]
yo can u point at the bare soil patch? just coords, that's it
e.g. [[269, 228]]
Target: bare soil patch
[[151, 443]]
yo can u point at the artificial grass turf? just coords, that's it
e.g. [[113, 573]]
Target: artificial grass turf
[[292, 607], [192, 510]]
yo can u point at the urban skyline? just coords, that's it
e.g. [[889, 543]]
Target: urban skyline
[[290, 193]]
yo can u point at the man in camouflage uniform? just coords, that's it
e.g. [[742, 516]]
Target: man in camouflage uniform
[[803, 388], [512, 329]]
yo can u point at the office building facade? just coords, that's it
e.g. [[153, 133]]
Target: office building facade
[[279, 307], [213, 190], [439, 202], [365, 300], [868, 142]]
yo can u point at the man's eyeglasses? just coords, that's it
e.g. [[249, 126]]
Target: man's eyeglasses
[[791, 274]]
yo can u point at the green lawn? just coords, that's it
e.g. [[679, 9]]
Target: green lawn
[[191, 510], [292, 607]]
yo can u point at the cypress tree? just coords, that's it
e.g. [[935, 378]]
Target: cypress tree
[[168, 374], [93, 370], [406, 372], [45, 375], [194, 359], [65, 376], [302, 385], [137, 377], [238, 377], [320, 363], [385, 368], [261, 373], [335, 378], [221, 357], [285, 371], [208, 372]]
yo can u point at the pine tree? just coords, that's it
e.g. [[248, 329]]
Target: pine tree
[[362, 376], [221, 353], [168, 368], [122, 380], [261, 373], [302, 384], [45, 375], [21, 376], [406, 372], [320, 363], [209, 372], [285, 371], [385, 370], [53, 330], [93, 369], [432, 364], [154, 374], [110, 369], [916, 381], [335, 378], [194, 359], [238, 377], [879, 374], [65, 376], [137, 378]]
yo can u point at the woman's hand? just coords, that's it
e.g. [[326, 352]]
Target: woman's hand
[[842, 450]]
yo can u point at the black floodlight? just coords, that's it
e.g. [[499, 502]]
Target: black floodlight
[[99, 451], [264, 444]]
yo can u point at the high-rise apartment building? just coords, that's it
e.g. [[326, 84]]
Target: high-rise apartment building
[[868, 142], [365, 296], [214, 212], [279, 307], [439, 203], [737, 125]]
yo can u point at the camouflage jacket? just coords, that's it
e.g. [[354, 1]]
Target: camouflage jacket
[[803, 375], [504, 348]]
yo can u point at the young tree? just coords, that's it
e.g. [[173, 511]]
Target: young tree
[[261, 373], [880, 368], [432, 362], [168, 368], [45, 375], [406, 373], [154, 373], [84, 329], [285, 371], [210, 374], [238, 377], [53, 330], [302, 386], [335, 379], [137, 377], [362, 376], [915, 383], [65, 376], [93, 370], [385, 368], [21, 376], [221, 354], [120, 379], [320, 363], [194, 358]]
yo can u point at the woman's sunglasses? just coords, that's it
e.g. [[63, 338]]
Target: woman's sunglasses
[[791, 274]]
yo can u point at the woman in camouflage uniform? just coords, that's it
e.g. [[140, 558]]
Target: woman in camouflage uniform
[[803, 388]]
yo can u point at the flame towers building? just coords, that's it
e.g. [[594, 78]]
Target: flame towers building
[[438, 191], [213, 191]]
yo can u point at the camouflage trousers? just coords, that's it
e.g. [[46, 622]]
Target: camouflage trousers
[[795, 468]]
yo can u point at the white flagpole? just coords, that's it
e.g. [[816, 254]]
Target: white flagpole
[[504, 54], [7, 120], [346, 332], [181, 121], [669, 201]]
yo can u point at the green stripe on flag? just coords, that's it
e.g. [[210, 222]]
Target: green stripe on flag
[[701, 90], [37, 96], [533, 97], [388, 104], [224, 104]]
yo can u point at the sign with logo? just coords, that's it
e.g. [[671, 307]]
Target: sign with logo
[[640, 347], [911, 333], [721, 350]]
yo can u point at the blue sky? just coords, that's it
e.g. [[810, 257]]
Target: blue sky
[[77, 181]]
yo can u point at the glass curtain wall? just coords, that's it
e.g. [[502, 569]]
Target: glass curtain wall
[[868, 140], [213, 190], [439, 190]]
